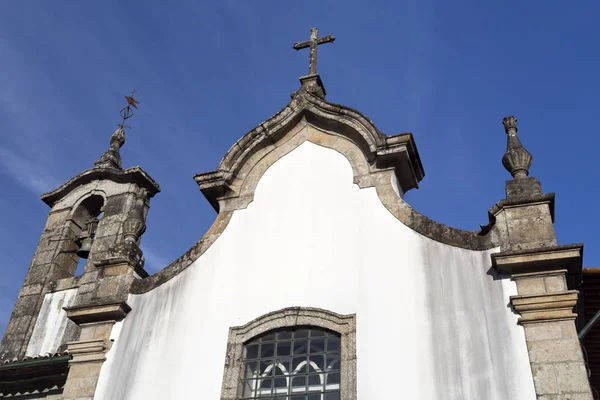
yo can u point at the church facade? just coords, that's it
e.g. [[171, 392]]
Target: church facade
[[316, 280]]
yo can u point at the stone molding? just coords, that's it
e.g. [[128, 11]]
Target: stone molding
[[97, 313], [398, 151], [87, 351], [547, 198], [545, 259], [344, 325], [545, 307], [130, 175]]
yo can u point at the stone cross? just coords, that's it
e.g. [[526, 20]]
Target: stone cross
[[313, 43]]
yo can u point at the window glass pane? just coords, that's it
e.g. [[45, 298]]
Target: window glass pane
[[333, 343], [284, 348], [299, 381], [318, 362], [266, 383], [280, 382], [250, 369], [267, 350], [332, 362], [280, 371], [291, 363], [268, 337], [248, 388], [301, 333], [283, 335], [299, 365], [314, 380], [251, 351], [317, 333], [266, 367], [317, 345], [333, 378], [300, 347]]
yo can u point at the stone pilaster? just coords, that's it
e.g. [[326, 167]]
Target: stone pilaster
[[546, 305], [88, 355], [89, 352]]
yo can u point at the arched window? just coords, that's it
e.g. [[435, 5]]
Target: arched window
[[292, 354], [296, 363]]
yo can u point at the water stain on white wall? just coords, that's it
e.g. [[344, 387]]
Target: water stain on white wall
[[432, 323]]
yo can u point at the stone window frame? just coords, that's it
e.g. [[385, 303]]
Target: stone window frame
[[344, 325]]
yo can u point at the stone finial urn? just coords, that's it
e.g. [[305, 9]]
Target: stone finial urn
[[516, 160], [133, 228]]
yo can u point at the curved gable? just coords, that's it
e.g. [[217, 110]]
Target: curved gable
[[398, 152], [240, 193]]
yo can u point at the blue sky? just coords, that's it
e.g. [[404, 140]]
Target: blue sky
[[208, 72]]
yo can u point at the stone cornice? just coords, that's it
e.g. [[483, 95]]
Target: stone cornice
[[545, 307], [130, 175], [545, 259], [547, 198], [96, 313]]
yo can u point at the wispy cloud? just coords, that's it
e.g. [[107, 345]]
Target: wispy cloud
[[154, 261], [26, 155], [26, 171]]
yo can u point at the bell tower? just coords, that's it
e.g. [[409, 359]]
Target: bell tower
[[96, 218]]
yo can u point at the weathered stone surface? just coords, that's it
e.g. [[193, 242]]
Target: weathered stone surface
[[572, 377], [547, 331], [553, 351], [523, 189], [118, 195], [516, 160], [545, 378]]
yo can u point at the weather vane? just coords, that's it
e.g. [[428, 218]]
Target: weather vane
[[127, 112]]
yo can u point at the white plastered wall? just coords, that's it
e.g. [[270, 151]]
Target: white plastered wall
[[51, 323], [432, 319]]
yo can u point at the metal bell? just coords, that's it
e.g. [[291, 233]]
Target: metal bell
[[86, 246]]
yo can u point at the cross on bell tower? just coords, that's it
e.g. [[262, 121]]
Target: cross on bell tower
[[314, 41]]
